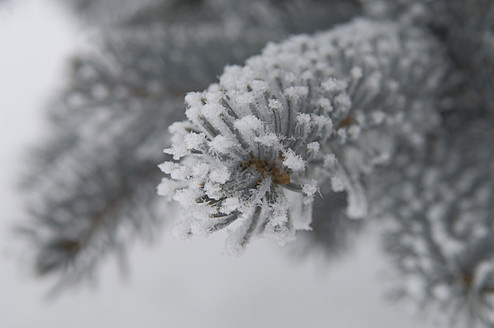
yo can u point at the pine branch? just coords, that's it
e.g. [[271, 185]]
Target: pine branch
[[106, 13], [292, 16], [93, 186], [437, 217], [366, 119], [467, 29], [313, 109]]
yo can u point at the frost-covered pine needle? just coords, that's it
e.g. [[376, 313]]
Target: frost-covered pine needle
[[314, 109]]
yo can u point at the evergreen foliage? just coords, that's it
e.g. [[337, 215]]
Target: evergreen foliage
[[308, 110], [437, 225], [328, 116]]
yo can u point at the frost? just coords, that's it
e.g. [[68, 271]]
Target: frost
[[213, 190], [221, 144], [309, 189], [378, 117], [297, 117], [343, 100], [178, 151], [314, 146], [220, 175], [334, 85], [200, 170], [230, 205], [296, 92], [325, 104], [442, 228], [275, 104], [248, 124], [168, 187], [270, 140], [293, 161], [303, 118], [330, 161], [194, 140]]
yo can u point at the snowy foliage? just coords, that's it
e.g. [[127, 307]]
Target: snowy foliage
[[467, 29], [386, 116], [92, 188], [83, 195], [437, 218], [292, 16], [311, 110]]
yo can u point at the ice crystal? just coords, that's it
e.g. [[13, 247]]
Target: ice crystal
[[312, 110]]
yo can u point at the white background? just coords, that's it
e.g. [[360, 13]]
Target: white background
[[172, 283]]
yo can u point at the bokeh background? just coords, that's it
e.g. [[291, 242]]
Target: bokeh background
[[169, 283]]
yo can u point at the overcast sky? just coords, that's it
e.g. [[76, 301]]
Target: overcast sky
[[172, 283]]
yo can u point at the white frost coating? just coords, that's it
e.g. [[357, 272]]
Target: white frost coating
[[330, 161], [378, 117], [213, 190], [442, 237], [303, 118], [275, 104], [270, 140], [219, 175], [296, 92], [334, 85], [248, 124], [221, 144], [194, 140], [343, 100], [200, 170], [177, 150], [230, 205], [168, 188], [313, 146], [270, 133], [309, 189], [293, 161]]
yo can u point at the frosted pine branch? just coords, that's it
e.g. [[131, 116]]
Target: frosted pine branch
[[287, 16], [387, 119], [312, 110], [92, 190], [436, 210], [466, 27], [100, 167]]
